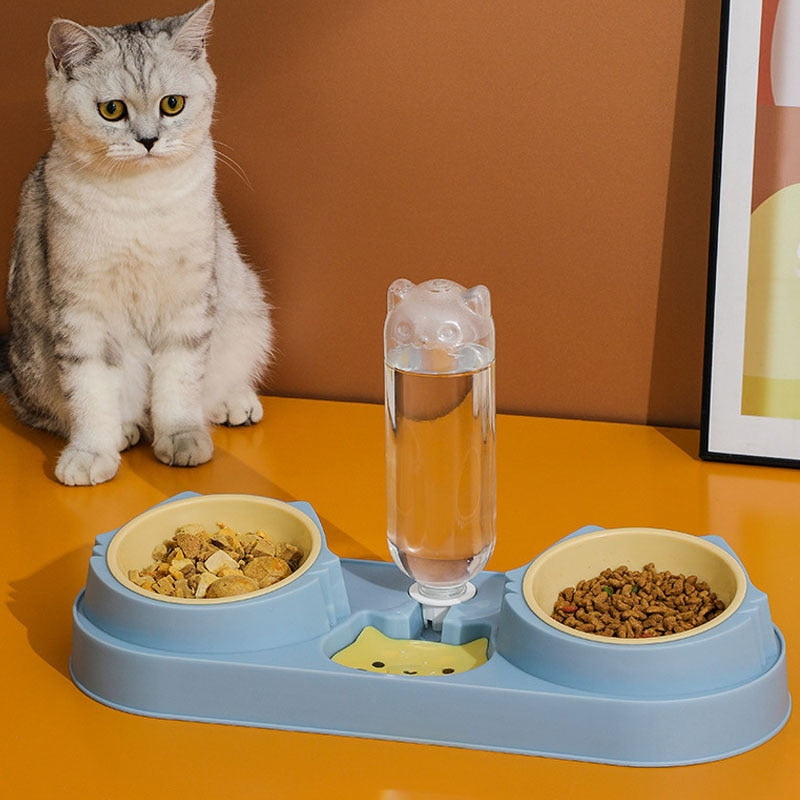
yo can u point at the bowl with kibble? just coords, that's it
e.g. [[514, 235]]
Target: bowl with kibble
[[634, 586], [213, 549]]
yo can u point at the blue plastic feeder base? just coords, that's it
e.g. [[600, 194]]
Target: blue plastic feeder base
[[516, 702]]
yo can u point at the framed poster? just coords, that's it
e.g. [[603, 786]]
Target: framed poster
[[751, 388]]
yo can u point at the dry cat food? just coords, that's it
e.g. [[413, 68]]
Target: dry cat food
[[628, 604], [197, 563]]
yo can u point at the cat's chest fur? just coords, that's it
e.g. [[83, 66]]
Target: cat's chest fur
[[137, 246]]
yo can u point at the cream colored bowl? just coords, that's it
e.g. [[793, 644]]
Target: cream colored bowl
[[132, 546], [585, 556]]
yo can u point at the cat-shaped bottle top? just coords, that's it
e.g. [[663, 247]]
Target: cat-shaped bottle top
[[438, 327]]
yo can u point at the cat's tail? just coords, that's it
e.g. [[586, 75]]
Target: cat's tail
[[5, 365]]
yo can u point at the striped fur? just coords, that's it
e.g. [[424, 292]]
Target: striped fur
[[132, 312]]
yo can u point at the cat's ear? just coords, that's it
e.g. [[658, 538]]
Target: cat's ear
[[70, 45], [191, 38]]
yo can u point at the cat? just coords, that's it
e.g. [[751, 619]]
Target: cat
[[132, 314]]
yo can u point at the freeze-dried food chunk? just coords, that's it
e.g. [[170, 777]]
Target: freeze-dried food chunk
[[266, 570], [220, 560], [231, 585], [264, 546], [204, 580], [189, 542], [195, 560], [290, 554]]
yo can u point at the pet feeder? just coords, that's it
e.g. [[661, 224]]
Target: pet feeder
[[267, 661]]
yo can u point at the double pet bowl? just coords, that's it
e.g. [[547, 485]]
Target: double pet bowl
[[265, 659]]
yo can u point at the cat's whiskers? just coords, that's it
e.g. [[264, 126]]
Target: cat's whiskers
[[80, 165], [114, 167], [231, 163], [104, 163]]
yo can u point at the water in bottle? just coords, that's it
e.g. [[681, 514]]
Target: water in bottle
[[440, 433]]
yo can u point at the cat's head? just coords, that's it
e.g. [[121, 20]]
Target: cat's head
[[133, 95]]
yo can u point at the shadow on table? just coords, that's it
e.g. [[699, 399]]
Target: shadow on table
[[686, 439], [226, 473], [42, 602], [47, 443]]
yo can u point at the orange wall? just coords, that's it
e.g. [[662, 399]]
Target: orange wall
[[558, 151]]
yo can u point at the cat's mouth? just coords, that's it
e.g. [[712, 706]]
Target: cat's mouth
[[138, 157], [159, 152], [147, 154], [133, 153]]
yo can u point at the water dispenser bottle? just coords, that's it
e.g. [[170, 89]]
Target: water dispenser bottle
[[439, 353]]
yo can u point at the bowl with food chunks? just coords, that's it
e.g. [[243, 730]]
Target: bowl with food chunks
[[634, 586], [211, 549]]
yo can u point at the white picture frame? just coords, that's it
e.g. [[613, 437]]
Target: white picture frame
[[751, 386]]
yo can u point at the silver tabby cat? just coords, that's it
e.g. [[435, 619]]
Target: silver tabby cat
[[131, 311]]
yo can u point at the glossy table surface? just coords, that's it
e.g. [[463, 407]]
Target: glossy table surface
[[553, 476]]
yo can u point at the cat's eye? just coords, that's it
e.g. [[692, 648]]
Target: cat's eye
[[112, 110], [172, 104]]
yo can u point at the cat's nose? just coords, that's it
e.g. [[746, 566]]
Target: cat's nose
[[148, 143]]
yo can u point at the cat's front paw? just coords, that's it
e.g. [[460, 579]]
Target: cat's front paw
[[184, 448], [243, 409], [77, 467], [130, 436]]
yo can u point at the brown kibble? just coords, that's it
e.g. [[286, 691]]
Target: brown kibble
[[624, 603]]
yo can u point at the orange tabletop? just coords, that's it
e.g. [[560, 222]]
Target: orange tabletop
[[554, 476]]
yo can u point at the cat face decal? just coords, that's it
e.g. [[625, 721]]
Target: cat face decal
[[372, 651]]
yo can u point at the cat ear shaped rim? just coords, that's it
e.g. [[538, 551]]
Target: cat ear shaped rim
[[71, 44]]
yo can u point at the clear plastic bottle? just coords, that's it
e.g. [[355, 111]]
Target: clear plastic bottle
[[440, 435]]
